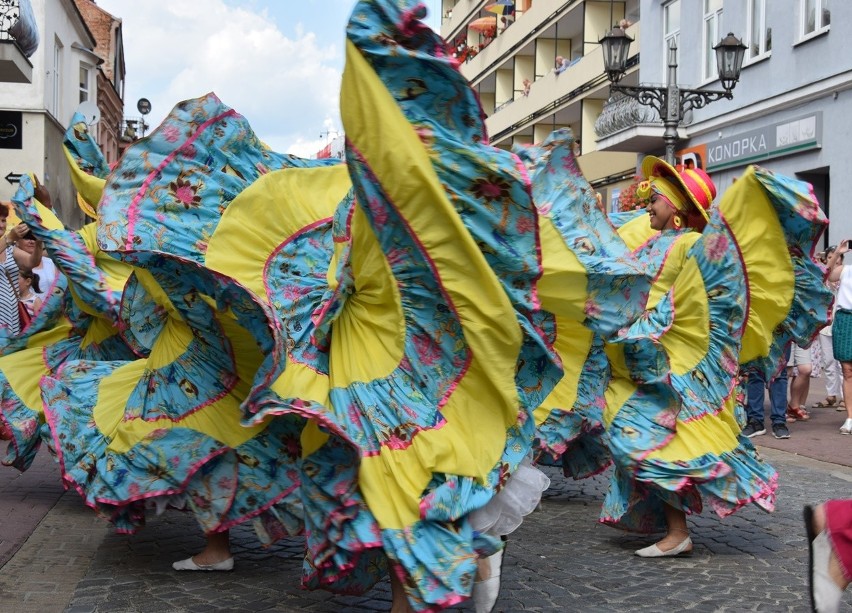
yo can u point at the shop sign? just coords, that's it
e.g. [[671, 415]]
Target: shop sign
[[10, 130], [775, 140]]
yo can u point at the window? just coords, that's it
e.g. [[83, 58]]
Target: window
[[84, 83], [56, 77], [759, 36], [712, 35], [816, 16], [671, 31]]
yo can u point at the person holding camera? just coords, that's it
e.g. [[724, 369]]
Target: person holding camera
[[841, 330]]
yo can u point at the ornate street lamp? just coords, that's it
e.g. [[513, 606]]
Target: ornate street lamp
[[615, 46], [672, 101], [729, 61]]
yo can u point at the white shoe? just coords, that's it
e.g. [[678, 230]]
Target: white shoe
[[485, 592], [825, 594], [190, 564], [684, 548], [846, 428]]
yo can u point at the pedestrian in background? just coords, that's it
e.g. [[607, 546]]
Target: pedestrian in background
[[755, 394], [830, 366], [799, 368], [842, 327]]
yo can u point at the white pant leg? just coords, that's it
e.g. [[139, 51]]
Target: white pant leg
[[831, 367]]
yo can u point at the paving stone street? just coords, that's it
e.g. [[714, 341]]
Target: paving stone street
[[59, 557]]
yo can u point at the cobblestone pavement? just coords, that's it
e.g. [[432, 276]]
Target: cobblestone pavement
[[24, 499], [559, 560]]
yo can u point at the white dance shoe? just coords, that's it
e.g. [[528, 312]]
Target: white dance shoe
[[825, 594], [190, 564], [486, 591], [684, 548]]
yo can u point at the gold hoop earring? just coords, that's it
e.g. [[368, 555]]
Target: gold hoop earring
[[678, 222]]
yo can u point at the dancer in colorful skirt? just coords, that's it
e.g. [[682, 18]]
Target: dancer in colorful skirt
[[728, 291], [377, 322], [829, 530]]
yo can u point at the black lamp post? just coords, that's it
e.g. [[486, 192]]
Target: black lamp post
[[672, 101]]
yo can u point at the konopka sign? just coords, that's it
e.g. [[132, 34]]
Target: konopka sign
[[775, 140]]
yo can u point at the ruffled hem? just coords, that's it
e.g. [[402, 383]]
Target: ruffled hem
[[573, 442], [728, 482], [248, 480]]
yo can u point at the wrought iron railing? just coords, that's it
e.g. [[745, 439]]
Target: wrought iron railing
[[621, 112], [17, 23], [9, 12], [132, 128]]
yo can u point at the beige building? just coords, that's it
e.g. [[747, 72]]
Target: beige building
[[63, 70], [510, 60]]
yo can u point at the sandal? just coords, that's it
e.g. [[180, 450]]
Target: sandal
[[797, 414], [830, 401]]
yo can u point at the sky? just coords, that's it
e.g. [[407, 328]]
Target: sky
[[277, 62]]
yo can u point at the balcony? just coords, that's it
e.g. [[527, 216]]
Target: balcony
[[526, 51], [18, 41], [626, 125]]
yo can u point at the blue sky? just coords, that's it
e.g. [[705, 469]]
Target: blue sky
[[278, 62]]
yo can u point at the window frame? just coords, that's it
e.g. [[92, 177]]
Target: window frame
[[708, 54], [669, 35], [763, 50], [819, 28], [56, 77], [87, 90]]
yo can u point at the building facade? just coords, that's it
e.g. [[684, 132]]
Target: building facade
[[510, 58], [110, 74], [63, 69], [790, 110]]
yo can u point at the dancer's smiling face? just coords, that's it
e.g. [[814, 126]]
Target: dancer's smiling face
[[661, 211]]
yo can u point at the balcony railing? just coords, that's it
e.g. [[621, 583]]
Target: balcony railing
[[17, 23], [621, 112], [132, 128]]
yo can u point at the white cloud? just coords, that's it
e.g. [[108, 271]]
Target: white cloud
[[284, 86], [287, 85]]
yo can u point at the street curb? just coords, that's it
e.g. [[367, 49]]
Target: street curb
[[836, 470]]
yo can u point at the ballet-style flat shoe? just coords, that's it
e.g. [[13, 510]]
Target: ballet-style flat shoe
[[684, 548], [485, 592], [189, 564], [824, 592]]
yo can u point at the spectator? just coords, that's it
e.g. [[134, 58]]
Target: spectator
[[28, 288], [45, 269], [12, 260], [841, 332], [799, 370], [561, 64], [527, 85], [830, 366], [777, 402]]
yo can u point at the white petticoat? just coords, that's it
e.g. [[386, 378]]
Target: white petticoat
[[519, 497]]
